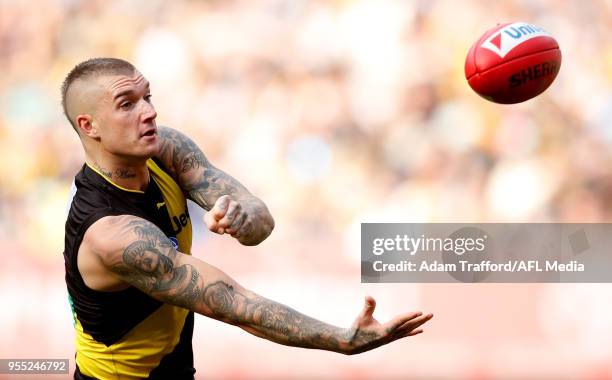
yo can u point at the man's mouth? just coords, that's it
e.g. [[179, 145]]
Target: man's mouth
[[149, 132]]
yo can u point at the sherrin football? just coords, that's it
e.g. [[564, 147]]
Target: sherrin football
[[512, 63]]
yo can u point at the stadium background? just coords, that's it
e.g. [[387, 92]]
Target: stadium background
[[334, 113]]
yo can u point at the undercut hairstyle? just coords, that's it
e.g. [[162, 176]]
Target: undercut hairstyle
[[92, 68]]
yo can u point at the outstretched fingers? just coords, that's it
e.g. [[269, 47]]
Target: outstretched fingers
[[410, 326], [400, 320]]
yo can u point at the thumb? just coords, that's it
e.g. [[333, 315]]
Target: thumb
[[368, 307], [220, 208], [217, 213], [211, 222]]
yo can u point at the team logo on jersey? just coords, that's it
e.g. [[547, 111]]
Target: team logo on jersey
[[174, 242], [511, 36]]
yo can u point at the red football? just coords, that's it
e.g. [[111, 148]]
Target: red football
[[512, 63]]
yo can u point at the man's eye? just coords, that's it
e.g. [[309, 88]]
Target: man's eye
[[147, 97], [125, 105]]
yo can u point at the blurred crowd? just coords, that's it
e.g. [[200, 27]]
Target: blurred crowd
[[334, 112]]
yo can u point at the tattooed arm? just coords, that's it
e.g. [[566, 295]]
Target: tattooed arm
[[237, 211], [140, 255]]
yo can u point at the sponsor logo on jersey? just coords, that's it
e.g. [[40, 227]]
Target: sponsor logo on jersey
[[504, 40], [180, 222], [174, 242]]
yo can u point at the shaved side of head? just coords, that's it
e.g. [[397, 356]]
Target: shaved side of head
[[78, 94]]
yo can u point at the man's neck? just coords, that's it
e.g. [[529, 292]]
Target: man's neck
[[128, 175]]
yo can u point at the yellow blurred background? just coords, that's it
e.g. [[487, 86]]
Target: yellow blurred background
[[334, 113]]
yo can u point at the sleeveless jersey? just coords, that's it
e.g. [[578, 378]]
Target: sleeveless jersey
[[127, 334]]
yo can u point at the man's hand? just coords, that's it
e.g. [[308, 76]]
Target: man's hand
[[237, 219], [367, 333]]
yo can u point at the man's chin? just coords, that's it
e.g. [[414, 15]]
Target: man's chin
[[151, 146], [145, 152]]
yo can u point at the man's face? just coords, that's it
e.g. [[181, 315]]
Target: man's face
[[125, 117]]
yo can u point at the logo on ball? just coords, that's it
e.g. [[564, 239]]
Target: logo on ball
[[511, 36]]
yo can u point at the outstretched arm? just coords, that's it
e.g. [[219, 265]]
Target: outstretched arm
[[141, 255], [243, 215]]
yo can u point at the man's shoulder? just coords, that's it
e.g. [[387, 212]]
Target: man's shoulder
[[102, 247], [112, 232]]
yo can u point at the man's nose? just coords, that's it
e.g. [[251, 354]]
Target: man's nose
[[148, 113]]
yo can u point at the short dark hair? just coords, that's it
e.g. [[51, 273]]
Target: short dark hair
[[91, 68]]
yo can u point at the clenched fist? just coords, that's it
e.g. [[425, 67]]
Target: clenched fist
[[249, 221]]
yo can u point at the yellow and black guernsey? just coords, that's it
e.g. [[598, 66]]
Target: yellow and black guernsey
[[127, 334]]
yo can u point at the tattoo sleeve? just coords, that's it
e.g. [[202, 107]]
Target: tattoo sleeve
[[148, 261], [271, 320], [202, 182]]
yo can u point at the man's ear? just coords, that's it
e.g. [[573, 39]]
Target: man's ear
[[86, 125]]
